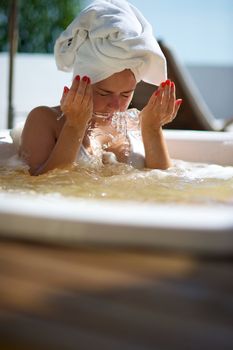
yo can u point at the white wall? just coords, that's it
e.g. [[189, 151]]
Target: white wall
[[36, 82], [215, 85]]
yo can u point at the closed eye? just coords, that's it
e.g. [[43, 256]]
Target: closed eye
[[103, 94], [126, 95]]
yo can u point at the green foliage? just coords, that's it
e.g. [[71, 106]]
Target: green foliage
[[3, 25], [40, 22]]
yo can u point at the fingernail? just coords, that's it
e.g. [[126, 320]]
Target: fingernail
[[77, 77], [178, 102], [66, 89], [163, 84], [85, 78], [156, 92], [168, 82], [172, 84]]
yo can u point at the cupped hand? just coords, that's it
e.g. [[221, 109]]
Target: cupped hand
[[76, 102], [162, 107]]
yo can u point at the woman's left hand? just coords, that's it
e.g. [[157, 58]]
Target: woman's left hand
[[162, 107]]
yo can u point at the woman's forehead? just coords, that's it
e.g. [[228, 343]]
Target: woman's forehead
[[124, 81]]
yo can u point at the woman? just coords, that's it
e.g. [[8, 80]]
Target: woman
[[110, 48]]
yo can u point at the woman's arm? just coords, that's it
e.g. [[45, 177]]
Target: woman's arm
[[40, 148], [160, 110]]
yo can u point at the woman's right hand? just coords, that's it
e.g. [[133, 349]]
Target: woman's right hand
[[76, 102]]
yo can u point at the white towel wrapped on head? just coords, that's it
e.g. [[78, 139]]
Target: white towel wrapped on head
[[107, 37]]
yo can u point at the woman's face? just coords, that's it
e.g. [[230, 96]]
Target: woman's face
[[114, 93]]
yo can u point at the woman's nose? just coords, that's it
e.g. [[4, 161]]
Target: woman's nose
[[114, 103]]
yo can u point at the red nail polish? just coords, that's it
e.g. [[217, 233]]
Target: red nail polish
[[163, 84], [168, 82], [156, 92], [85, 78], [77, 77], [178, 102], [172, 84], [66, 89]]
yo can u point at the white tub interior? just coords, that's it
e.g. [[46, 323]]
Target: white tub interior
[[79, 221]]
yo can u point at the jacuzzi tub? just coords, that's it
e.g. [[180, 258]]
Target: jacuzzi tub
[[197, 229]]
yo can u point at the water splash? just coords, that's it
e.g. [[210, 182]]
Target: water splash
[[122, 123]]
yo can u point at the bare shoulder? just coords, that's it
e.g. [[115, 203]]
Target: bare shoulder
[[44, 117], [39, 135], [43, 113]]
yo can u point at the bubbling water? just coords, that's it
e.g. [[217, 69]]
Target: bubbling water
[[184, 183]]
